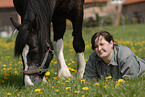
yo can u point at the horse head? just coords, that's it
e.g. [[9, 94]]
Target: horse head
[[36, 51]]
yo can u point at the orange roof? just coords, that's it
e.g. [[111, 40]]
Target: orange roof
[[6, 3], [132, 1], [88, 1]]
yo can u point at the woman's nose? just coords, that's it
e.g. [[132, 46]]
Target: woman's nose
[[99, 48]]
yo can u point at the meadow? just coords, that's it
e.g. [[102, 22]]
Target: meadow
[[132, 36]]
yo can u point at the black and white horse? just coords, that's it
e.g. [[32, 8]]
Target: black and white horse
[[33, 40]]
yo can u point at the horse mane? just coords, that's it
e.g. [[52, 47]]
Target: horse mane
[[43, 10]]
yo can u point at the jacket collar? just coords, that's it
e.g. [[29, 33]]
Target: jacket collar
[[114, 56]]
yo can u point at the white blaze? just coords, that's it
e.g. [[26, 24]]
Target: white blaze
[[27, 79]]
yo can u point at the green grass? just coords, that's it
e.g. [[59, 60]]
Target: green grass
[[11, 69]]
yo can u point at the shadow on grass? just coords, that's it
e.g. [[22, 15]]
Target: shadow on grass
[[11, 80]]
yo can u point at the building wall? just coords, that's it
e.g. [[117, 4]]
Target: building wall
[[5, 14], [106, 10], [135, 10]]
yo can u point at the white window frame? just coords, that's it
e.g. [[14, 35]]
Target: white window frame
[[117, 1]]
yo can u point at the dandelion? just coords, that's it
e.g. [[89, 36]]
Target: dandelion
[[86, 60], [73, 69], [125, 75], [77, 91], [55, 62], [54, 77], [104, 86], [120, 80], [48, 80], [83, 95], [85, 88], [4, 65], [109, 77], [37, 90], [67, 81], [58, 81], [82, 81], [69, 63], [9, 94], [117, 84], [97, 84], [63, 83], [68, 88], [47, 73], [56, 90], [73, 61], [68, 78], [15, 73]]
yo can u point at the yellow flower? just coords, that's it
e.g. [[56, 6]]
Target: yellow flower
[[109, 77], [56, 90], [63, 83], [117, 84], [68, 78], [67, 81], [15, 73], [9, 94], [82, 81], [77, 91], [73, 69], [58, 81], [85, 88], [4, 65], [68, 88], [125, 75], [54, 77], [47, 73], [37, 90], [104, 86], [83, 95], [120, 80], [97, 84]]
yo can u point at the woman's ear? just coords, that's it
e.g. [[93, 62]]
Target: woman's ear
[[111, 43]]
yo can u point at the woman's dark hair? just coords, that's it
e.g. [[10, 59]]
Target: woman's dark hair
[[108, 37]]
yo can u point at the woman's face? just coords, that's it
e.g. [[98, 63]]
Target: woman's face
[[102, 47]]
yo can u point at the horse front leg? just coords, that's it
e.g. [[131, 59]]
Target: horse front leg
[[62, 69], [59, 26]]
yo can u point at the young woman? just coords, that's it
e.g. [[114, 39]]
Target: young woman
[[109, 59]]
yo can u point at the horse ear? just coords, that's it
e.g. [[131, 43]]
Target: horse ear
[[15, 23]]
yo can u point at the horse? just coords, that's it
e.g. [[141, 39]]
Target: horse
[[33, 42]]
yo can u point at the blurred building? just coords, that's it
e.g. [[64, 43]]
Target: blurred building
[[6, 11], [133, 10], [93, 9]]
